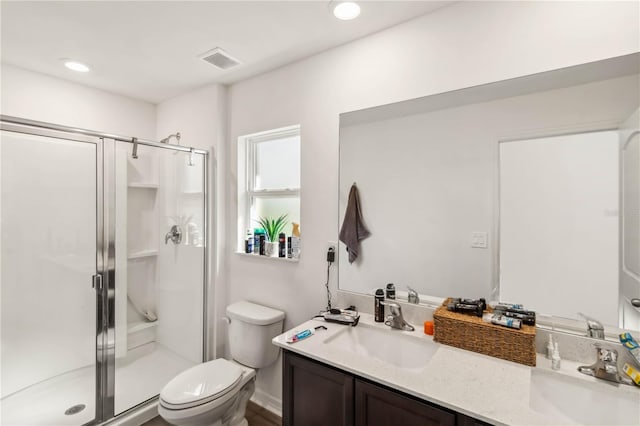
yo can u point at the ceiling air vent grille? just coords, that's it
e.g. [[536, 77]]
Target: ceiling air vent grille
[[219, 58]]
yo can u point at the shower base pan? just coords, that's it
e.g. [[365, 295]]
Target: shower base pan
[[69, 399]]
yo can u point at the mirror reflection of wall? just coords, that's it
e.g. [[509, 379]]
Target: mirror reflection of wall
[[427, 171]]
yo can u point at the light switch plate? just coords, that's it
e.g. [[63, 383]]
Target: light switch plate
[[479, 239]]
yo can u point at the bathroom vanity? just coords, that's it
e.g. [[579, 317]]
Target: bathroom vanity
[[372, 375], [315, 393]]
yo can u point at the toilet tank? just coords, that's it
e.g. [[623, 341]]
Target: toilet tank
[[251, 328]]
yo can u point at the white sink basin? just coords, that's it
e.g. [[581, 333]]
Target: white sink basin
[[575, 401], [402, 349]]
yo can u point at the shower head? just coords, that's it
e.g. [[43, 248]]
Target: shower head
[[168, 138]]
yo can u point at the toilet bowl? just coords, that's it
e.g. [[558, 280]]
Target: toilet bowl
[[216, 393], [213, 393]]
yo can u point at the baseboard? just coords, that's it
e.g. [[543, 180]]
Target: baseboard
[[267, 402]]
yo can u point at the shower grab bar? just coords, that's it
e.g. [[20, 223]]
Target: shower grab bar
[[58, 127]]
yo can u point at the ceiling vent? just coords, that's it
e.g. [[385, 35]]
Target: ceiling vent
[[219, 58]]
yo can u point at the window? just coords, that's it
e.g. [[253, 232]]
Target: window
[[268, 179]]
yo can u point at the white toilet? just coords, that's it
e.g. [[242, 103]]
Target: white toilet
[[216, 393]]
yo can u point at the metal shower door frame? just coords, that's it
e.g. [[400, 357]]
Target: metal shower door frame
[[105, 278]]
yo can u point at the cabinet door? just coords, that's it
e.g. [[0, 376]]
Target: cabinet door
[[314, 394], [377, 406]]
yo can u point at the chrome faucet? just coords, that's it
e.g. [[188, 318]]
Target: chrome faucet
[[595, 328], [413, 296], [605, 367], [396, 320]]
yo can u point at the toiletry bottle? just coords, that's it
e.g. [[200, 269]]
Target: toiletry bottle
[[262, 244], [555, 358], [289, 247], [391, 291], [295, 241], [378, 307], [550, 347], [256, 239], [248, 248], [497, 319], [282, 245]]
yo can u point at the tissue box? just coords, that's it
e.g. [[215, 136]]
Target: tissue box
[[471, 333]]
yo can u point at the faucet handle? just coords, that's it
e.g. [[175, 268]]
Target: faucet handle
[[607, 355], [394, 309], [594, 327], [413, 296]]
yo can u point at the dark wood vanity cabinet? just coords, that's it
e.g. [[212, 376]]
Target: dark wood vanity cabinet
[[378, 406], [315, 394]]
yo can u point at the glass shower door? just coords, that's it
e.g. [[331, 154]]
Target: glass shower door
[[48, 259], [160, 260]]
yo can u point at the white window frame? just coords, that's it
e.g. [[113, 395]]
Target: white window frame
[[247, 193]]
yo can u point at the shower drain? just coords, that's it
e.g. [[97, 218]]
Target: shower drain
[[74, 410]]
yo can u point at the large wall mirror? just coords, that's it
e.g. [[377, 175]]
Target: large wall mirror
[[525, 190]]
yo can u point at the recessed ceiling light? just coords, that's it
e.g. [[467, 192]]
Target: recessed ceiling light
[[346, 10], [75, 65]]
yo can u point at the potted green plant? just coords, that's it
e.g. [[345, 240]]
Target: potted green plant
[[272, 228]]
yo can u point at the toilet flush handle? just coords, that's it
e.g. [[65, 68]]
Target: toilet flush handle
[[227, 320]]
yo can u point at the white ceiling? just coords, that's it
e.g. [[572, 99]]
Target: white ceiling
[[149, 49]]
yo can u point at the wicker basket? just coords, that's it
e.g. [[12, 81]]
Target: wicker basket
[[471, 333]]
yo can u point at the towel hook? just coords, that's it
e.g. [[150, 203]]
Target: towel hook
[[134, 153]]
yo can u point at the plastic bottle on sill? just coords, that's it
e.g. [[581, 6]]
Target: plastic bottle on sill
[[295, 241], [248, 244], [256, 239]]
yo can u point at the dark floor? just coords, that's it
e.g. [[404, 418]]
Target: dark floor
[[256, 416]]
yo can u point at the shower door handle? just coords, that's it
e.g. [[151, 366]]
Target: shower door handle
[[96, 282]]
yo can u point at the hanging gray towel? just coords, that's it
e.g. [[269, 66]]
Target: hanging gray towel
[[353, 228]]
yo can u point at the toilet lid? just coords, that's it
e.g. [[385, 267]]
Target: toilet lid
[[206, 381]]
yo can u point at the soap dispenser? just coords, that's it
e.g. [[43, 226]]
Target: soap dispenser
[[555, 358], [550, 347]]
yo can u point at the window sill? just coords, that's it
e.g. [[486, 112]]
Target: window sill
[[277, 259]]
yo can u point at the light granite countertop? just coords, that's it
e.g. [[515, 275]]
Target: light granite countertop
[[483, 387]]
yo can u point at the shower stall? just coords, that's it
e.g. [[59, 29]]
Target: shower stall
[[103, 271]]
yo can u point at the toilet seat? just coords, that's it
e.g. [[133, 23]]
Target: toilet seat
[[201, 384]]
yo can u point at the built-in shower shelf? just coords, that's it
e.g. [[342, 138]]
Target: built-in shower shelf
[[143, 185], [142, 253]]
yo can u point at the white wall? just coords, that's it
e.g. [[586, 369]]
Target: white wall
[[35, 96], [459, 46], [200, 118]]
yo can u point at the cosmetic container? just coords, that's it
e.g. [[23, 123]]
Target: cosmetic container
[[378, 307]]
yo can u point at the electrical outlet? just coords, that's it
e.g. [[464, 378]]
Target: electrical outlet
[[331, 251]]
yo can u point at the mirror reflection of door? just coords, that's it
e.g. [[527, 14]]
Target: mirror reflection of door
[[559, 224], [630, 233]]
